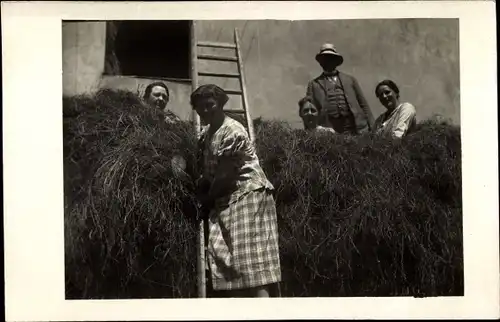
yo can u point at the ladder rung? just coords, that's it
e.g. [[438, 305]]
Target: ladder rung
[[216, 44], [235, 111], [221, 58], [233, 92], [219, 74]]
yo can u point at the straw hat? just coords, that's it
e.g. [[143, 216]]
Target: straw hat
[[328, 50]]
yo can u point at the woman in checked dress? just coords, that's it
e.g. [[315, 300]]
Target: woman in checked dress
[[243, 252]]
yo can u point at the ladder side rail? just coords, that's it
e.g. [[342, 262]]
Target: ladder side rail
[[200, 260], [246, 107]]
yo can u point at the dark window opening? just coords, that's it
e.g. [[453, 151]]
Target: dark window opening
[[151, 49]]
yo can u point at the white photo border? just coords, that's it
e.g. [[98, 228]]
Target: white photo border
[[33, 164]]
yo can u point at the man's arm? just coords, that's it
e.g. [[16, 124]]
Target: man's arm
[[363, 103], [309, 91]]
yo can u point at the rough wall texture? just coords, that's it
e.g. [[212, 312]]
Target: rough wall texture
[[420, 55], [83, 56]]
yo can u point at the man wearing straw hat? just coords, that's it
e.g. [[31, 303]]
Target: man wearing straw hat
[[339, 96]]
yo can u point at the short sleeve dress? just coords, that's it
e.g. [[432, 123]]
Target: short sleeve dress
[[243, 249]]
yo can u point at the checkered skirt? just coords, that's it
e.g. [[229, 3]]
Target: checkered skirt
[[242, 245]]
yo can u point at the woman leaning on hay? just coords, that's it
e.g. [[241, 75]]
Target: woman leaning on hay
[[400, 117], [157, 95], [242, 245], [310, 114]]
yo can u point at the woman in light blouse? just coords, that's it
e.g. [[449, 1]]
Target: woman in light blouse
[[400, 117]]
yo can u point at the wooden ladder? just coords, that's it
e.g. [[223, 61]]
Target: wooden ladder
[[245, 112], [240, 75]]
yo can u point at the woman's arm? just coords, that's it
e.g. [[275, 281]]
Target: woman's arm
[[231, 156]]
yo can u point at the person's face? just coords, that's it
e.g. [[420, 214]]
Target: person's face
[[387, 97], [207, 109], [309, 114], [158, 97], [328, 63]]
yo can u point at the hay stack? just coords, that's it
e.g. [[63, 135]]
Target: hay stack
[[125, 228], [362, 216], [367, 216]]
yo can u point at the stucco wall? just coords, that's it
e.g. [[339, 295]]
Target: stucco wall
[[83, 56], [420, 55]]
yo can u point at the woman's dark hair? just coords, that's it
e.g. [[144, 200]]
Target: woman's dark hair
[[387, 82], [303, 102], [150, 87], [210, 91]]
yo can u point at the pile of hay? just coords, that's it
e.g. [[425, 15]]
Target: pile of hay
[[125, 232], [367, 216], [362, 216]]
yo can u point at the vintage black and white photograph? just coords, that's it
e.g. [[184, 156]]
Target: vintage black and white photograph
[[250, 160], [262, 158]]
